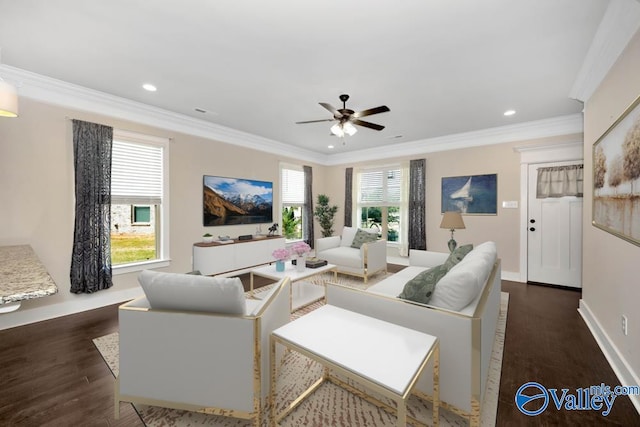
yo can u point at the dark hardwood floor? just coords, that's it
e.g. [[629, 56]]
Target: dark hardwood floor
[[52, 375]]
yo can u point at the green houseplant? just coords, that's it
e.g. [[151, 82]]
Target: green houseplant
[[290, 224], [325, 213]]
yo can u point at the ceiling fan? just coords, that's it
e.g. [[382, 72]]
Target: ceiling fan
[[347, 118]]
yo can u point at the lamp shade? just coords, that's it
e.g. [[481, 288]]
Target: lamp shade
[[452, 221], [8, 100]]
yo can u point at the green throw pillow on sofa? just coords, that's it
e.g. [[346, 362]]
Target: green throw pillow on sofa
[[420, 288], [363, 237], [457, 255]]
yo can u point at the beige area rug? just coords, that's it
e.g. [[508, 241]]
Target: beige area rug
[[330, 405]]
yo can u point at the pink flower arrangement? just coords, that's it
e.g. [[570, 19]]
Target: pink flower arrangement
[[281, 254], [300, 248]]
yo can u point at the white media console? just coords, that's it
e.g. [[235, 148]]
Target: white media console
[[216, 258]]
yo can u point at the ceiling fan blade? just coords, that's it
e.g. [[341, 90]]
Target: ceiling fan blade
[[337, 114], [367, 124], [315, 121], [371, 111]]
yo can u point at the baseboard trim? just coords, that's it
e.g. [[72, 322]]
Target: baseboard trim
[[620, 367], [511, 276], [77, 304]]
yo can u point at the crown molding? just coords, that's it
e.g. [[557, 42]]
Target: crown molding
[[543, 153], [562, 125], [57, 92], [619, 23]]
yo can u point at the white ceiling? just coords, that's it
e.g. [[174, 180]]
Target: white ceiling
[[442, 66]]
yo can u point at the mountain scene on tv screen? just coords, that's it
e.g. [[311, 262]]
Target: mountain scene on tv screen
[[230, 201]]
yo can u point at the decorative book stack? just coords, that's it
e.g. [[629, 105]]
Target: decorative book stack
[[312, 262]]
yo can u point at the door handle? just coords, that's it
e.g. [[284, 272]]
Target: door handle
[[532, 229]]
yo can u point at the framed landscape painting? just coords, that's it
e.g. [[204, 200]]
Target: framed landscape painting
[[470, 194], [616, 177]]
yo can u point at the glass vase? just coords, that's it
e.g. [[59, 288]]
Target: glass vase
[[301, 263], [279, 265]]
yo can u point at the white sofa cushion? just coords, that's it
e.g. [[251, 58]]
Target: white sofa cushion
[[343, 256], [348, 233], [464, 281], [174, 291]]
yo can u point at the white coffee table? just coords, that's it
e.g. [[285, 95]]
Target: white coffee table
[[379, 355], [303, 293]]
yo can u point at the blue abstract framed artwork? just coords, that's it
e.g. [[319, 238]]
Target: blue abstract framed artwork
[[470, 194]]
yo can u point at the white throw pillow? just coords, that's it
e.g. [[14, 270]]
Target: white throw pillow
[[174, 291], [460, 286], [348, 233], [456, 289]]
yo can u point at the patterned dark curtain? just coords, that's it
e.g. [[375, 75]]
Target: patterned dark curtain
[[417, 185], [307, 233], [91, 257], [348, 196]]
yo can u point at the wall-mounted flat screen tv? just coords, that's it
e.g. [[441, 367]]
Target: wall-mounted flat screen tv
[[233, 201]]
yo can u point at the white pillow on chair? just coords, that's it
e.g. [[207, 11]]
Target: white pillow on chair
[[348, 233], [186, 292]]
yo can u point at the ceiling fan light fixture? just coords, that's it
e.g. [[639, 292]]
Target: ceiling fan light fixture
[[342, 129], [349, 129], [337, 130]]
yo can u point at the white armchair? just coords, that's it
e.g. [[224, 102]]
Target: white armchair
[[364, 262], [198, 361]]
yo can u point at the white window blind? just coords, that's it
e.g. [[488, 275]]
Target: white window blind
[[292, 187], [380, 187], [136, 173]]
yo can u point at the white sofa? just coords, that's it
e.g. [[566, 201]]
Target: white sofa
[[364, 262], [211, 362], [466, 335]]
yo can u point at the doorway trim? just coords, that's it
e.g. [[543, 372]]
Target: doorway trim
[[532, 154]]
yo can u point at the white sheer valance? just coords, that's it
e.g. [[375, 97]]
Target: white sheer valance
[[560, 181]]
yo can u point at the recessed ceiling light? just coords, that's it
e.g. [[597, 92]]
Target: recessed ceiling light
[[330, 146], [509, 112], [149, 87]]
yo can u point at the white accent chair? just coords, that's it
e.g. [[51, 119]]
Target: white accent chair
[[199, 361], [364, 262]]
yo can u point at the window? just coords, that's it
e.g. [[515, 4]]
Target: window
[[139, 217], [292, 184], [379, 201]]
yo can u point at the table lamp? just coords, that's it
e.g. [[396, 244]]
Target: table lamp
[[452, 221]]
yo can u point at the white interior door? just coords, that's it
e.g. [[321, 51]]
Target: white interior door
[[554, 236]]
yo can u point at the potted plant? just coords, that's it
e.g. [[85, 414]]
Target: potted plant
[[207, 238], [325, 213]]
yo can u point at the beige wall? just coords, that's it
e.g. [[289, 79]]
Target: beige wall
[[500, 159], [37, 190], [611, 286]]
